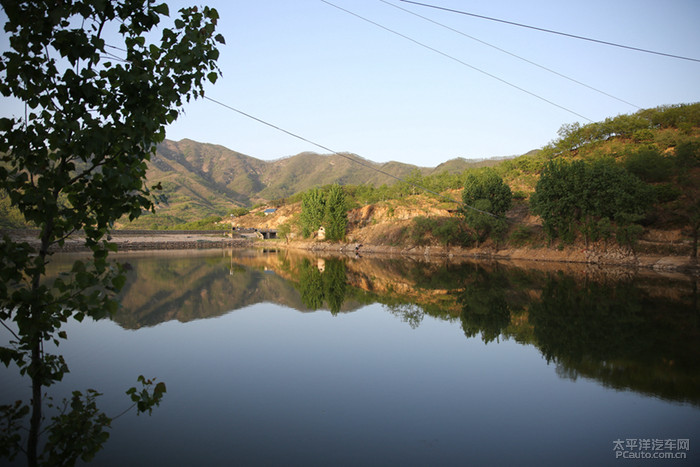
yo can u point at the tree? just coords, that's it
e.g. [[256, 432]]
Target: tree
[[688, 206], [313, 209], [487, 198], [77, 163], [578, 196], [336, 213], [488, 185], [649, 164]]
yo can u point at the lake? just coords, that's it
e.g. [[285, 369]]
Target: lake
[[281, 358]]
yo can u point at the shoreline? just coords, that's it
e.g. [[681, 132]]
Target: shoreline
[[613, 258], [190, 240]]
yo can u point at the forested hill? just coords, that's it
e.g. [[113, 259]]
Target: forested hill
[[201, 179]]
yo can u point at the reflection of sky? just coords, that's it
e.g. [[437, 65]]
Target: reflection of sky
[[269, 385]]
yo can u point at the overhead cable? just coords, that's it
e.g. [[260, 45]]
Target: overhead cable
[[574, 36], [511, 54], [325, 148], [352, 159], [451, 57]]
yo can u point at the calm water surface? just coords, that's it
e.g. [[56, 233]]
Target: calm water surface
[[279, 359]]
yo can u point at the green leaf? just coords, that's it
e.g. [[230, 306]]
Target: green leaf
[[212, 77], [6, 124], [162, 9], [8, 355]]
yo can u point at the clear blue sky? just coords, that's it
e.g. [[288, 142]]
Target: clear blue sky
[[349, 85]]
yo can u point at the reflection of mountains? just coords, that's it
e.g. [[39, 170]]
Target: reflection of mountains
[[163, 287], [628, 333]]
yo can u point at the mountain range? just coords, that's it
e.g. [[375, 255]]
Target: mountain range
[[201, 179]]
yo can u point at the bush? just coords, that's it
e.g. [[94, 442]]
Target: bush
[[666, 192], [447, 231], [688, 155], [421, 228], [239, 211], [649, 165], [451, 231], [643, 136], [520, 236], [577, 196], [628, 234]]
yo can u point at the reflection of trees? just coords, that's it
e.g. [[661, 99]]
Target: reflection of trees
[[592, 320], [639, 335], [408, 312], [334, 284], [625, 334], [616, 333], [485, 309], [329, 287]]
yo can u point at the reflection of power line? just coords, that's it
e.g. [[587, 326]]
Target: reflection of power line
[[574, 36], [451, 57], [511, 54]]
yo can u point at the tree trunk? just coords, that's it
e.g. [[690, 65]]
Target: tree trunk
[[37, 363], [35, 422]]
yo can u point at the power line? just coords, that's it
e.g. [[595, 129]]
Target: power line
[[352, 159], [574, 36], [325, 148], [451, 57], [511, 54]]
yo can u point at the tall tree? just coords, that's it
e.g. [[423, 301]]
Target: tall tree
[[77, 163], [313, 210], [336, 215]]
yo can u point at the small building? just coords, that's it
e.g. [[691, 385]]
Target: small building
[[269, 211], [321, 233]]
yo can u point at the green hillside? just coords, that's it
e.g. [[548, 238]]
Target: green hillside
[[200, 180]]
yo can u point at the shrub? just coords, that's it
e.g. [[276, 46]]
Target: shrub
[[649, 165], [666, 192], [520, 236]]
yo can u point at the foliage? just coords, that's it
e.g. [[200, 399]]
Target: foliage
[[688, 155], [336, 214], [239, 211], [520, 235], [649, 164], [446, 230], [577, 196], [327, 208], [317, 287], [10, 216], [78, 160], [208, 223], [484, 306], [486, 198], [284, 231], [79, 429], [487, 185], [313, 208], [573, 136]]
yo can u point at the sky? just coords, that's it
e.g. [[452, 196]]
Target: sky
[[428, 92]]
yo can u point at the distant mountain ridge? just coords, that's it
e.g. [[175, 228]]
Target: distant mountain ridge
[[201, 179]]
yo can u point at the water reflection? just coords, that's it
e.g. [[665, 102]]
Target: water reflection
[[631, 333], [322, 282]]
